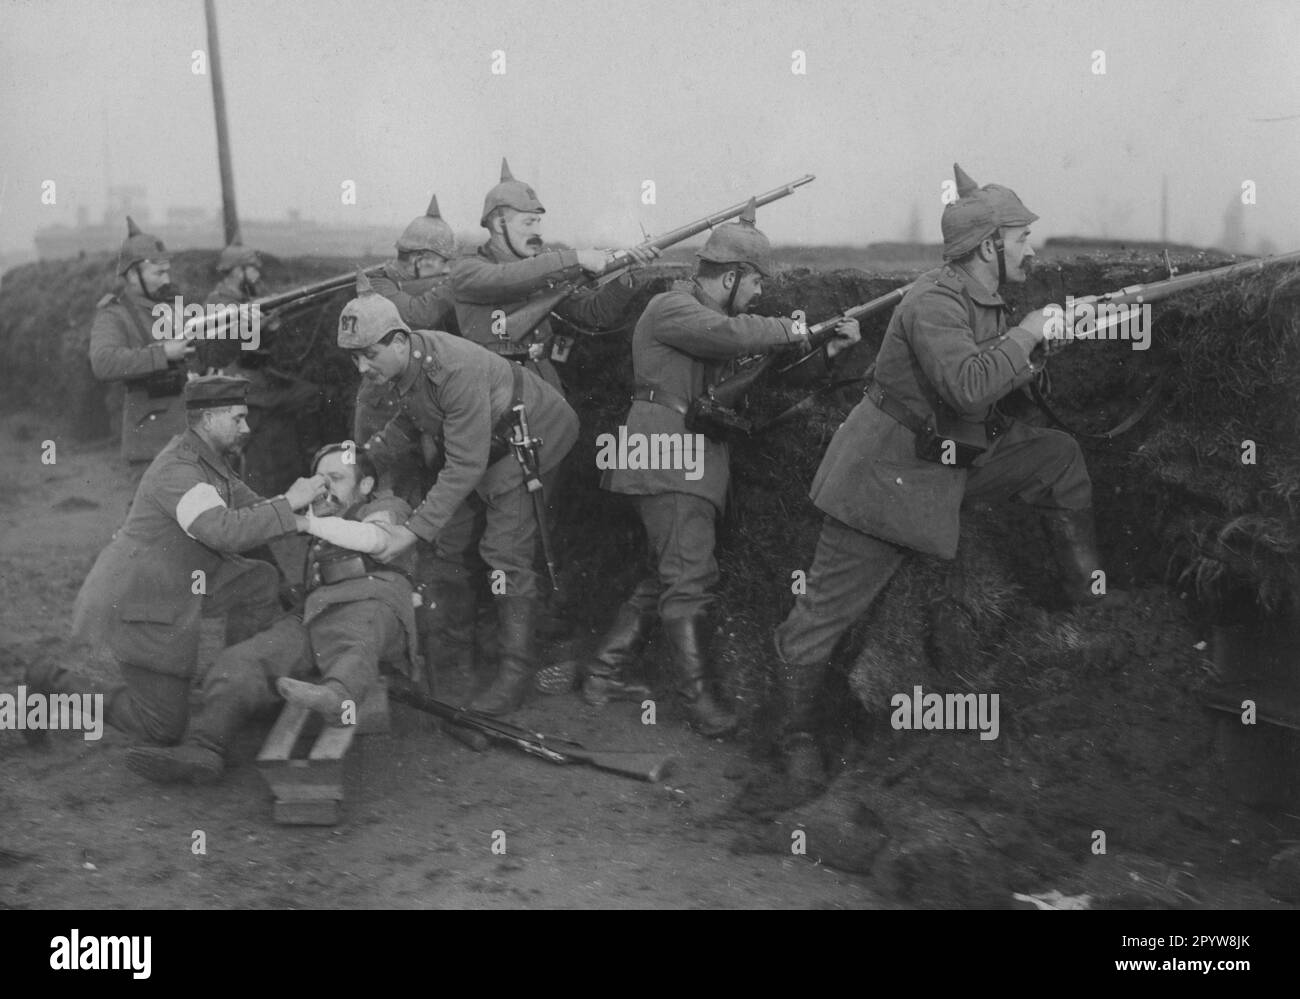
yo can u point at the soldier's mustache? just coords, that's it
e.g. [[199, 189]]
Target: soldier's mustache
[[533, 241]]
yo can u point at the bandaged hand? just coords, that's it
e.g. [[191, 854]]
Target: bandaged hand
[[358, 536]]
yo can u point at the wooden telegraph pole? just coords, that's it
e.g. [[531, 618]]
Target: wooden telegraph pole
[[230, 215]]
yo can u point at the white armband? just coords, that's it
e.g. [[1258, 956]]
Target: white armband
[[366, 537]]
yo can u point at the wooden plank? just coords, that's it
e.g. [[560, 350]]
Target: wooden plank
[[284, 733], [332, 742], [312, 792]]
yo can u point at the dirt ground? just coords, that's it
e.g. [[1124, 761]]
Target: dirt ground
[[1122, 748], [78, 830]]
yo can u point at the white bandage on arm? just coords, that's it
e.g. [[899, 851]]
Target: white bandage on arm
[[199, 499], [358, 537]]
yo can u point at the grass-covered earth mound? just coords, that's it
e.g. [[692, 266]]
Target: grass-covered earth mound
[[1102, 728]]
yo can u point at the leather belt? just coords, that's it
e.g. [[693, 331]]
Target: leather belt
[[891, 407], [995, 426], [508, 349], [660, 398]]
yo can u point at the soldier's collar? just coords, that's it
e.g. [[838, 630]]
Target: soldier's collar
[[974, 288], [191, 441], [705, 299], [132, 293], [418, 360]]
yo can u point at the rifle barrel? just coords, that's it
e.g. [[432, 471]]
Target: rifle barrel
[[865, 309], [1157, 290], [622, 258]]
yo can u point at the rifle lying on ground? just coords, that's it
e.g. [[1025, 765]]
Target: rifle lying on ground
[[643, 766], [718, 406], [525, 319], [1106, 311]]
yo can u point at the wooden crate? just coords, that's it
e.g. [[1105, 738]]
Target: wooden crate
[[302, 759]]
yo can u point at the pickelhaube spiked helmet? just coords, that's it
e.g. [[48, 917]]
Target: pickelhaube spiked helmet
[[238, 255], [978, 213], [428, 232], [510, 193], [368, 318], [138, 247], [740, 242]]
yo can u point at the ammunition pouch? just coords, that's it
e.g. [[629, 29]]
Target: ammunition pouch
[[703, 414], [342, 569], [938, 437], [717, 422], [503, 429]]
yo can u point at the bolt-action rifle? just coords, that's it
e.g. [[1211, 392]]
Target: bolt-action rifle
[[716, 411], [1094, 315], [526, 318], [274, 308], [1103, 312], [642, 766]]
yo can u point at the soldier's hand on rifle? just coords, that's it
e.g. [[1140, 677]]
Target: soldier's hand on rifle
[[400, 540], [847, 333], [1047, 323], [304, 492], [593, 261], [642, 255]]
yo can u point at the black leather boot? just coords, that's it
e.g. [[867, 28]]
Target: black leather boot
[[605, 675], [518, 660], [1073, 539], [688, 643]]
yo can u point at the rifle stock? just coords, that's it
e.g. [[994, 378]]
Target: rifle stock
[[525, 319], [642, 766]]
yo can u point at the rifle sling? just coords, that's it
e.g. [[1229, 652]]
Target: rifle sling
[[1123, 426]]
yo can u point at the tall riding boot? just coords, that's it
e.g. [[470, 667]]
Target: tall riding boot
[[605, 675], [688, 643], [518, 660], [1073, 539], [805, 770]]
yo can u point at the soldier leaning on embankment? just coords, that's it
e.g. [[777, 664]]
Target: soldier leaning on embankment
[[686, 341], [174, 561], [926, 437], [456, 391], [123, 349]]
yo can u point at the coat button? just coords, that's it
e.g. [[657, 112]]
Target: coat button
[[417, 354], [898, 481]]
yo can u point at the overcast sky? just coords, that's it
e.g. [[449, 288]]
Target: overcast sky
[[697, 95]]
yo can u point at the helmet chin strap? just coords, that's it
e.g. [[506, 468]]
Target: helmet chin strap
[[1000, 245], [735, 287], [505, 231]]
